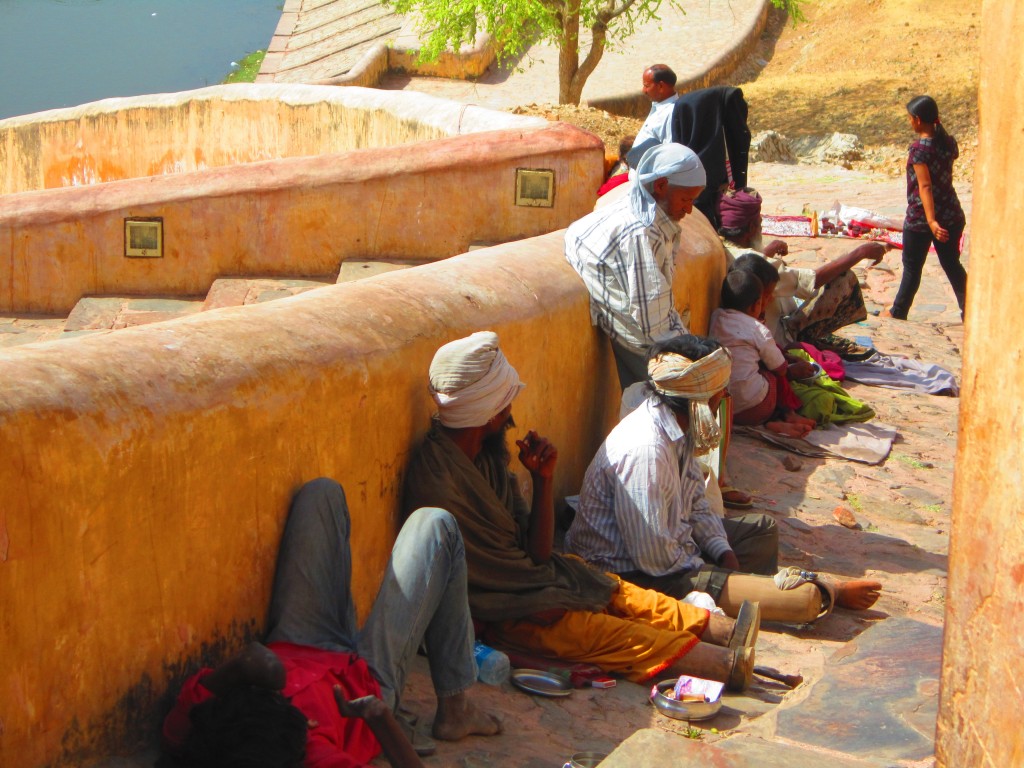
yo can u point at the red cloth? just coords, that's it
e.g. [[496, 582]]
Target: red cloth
[[311, 674], [612, 183]]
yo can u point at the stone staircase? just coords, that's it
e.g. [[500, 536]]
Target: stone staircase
[[102, 314]]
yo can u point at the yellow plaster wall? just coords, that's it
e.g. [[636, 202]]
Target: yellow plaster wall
[[982, 696], [221, 126], [147, 473], [300, 216]]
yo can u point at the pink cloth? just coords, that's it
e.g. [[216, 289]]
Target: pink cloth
[[830, 362]]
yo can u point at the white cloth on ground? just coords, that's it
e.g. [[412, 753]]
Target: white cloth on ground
[[897, 372]]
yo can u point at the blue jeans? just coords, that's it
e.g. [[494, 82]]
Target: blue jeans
[[422, 596]]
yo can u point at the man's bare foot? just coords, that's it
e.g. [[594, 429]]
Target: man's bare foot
[[458, 717], [857, 595], [787, 429]]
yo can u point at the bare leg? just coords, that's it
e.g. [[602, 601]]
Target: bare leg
[[457, 717], [734, 668]]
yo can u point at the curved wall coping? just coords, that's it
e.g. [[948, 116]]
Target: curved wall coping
[[450, 117]]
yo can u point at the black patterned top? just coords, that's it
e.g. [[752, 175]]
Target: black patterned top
[[948, 211]]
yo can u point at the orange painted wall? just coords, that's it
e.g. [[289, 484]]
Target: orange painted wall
[[982, 696], [298, 216], [147, 473]]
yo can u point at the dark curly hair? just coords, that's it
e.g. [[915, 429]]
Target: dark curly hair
[[248, 727]]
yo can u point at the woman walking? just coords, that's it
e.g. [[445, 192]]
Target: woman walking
[[934, 214]]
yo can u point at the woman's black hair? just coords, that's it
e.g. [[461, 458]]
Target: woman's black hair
[[247, 727], [925, 108]]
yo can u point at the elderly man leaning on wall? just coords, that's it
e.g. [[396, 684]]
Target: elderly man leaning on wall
[[625, 253]]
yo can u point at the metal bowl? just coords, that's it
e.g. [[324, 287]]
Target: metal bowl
[[585, 760], [682, 710], [818, 370]]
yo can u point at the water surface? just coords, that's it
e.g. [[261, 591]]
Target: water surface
[[61, 53]]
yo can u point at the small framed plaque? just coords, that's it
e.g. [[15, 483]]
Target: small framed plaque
[[535, 187], [144, 238]]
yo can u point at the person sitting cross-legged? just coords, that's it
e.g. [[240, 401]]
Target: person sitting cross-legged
[[644, 516], [532, 599], [321, 693], [831, 293]]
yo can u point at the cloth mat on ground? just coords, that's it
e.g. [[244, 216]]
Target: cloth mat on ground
[[865, 443], [895, 372]]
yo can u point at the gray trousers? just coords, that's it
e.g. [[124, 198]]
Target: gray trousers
[[755, 540], [422, 595]]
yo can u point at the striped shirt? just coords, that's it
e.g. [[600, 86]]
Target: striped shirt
[[628, 270], [642, 507]]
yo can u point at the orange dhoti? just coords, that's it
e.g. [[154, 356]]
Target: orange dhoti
[[638, 635]]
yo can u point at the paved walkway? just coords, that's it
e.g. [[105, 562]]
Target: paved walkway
[[698, 36]]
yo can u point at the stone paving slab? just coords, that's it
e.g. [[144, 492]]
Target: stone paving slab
[[239, 291], [878, 697], [652, 748]]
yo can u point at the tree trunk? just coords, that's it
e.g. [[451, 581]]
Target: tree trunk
[[569, 92]]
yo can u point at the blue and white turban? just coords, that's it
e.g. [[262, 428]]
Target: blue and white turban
[[675, 162]]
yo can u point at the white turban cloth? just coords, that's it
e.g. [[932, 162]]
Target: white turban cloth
[[674, 375], [675, 162], [471, 381]]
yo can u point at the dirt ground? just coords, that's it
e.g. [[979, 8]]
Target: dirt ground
[[849, 68]]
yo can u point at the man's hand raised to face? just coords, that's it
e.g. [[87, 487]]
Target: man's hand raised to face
[[538, 455]]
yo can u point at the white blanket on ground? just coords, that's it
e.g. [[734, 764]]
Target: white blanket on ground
[[867, 443]]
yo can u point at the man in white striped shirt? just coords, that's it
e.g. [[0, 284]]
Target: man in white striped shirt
[[625, 254], [643, 513]]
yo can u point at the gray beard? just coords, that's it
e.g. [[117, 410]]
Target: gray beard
[[757, 242]]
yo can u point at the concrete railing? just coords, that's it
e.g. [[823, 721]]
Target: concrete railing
[[147, 477], [297, 216]]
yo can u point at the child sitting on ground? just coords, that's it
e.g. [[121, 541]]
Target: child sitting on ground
[[758, 384]]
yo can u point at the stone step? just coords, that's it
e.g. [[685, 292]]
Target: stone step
[[338, 17], [353, 269], [240, 291], [874, 706], [341, 51], [94, 313]]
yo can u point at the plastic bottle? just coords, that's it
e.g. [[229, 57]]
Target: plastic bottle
[[492, 665]]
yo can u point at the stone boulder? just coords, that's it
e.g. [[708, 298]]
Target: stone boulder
[[771, 147], [838, 149]]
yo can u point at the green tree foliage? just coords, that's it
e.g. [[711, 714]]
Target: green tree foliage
[[515, 24]]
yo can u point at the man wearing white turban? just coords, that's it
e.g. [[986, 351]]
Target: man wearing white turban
[[531, 599], [643, 513], [625, 253]]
